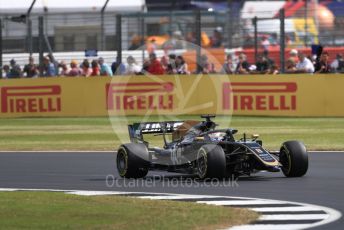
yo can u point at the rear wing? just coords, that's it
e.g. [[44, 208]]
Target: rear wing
[[137, 130]]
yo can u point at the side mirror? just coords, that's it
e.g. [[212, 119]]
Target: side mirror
[[231, 131]]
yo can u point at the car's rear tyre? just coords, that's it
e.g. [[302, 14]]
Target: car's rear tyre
[[211, 162], [294, 159], [132, 161]]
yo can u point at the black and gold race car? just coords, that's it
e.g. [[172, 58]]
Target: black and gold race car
[[198, 148]]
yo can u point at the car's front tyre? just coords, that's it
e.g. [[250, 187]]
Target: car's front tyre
[[210, 162], [294, 159]]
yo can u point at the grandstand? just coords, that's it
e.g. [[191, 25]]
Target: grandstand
[[228, 27]]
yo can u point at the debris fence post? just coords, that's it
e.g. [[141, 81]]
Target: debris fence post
[[198, 37], [40, 42], [255, 24], [119, 39], [282, 40]]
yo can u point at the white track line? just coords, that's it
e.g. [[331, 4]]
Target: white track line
[[270, 227], [95, 193], [175, 197], [242, 202], [286, 209], [294, 217], [8, 189]]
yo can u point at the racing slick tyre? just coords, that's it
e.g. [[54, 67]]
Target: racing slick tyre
[[211, 162], [132, 160], [294, 159]]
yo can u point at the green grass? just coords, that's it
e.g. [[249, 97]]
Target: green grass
[[98, 134], [47, 210]]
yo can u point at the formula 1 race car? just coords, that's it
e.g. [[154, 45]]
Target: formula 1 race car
[[198, 148]]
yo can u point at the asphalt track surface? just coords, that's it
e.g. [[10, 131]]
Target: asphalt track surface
[[322, 185]]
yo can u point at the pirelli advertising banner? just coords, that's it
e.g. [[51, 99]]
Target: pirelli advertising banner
[[284, 95]]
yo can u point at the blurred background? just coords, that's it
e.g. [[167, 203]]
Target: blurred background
[[115, 29]]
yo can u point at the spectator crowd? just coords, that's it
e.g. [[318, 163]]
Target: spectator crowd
[[297, 62]]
